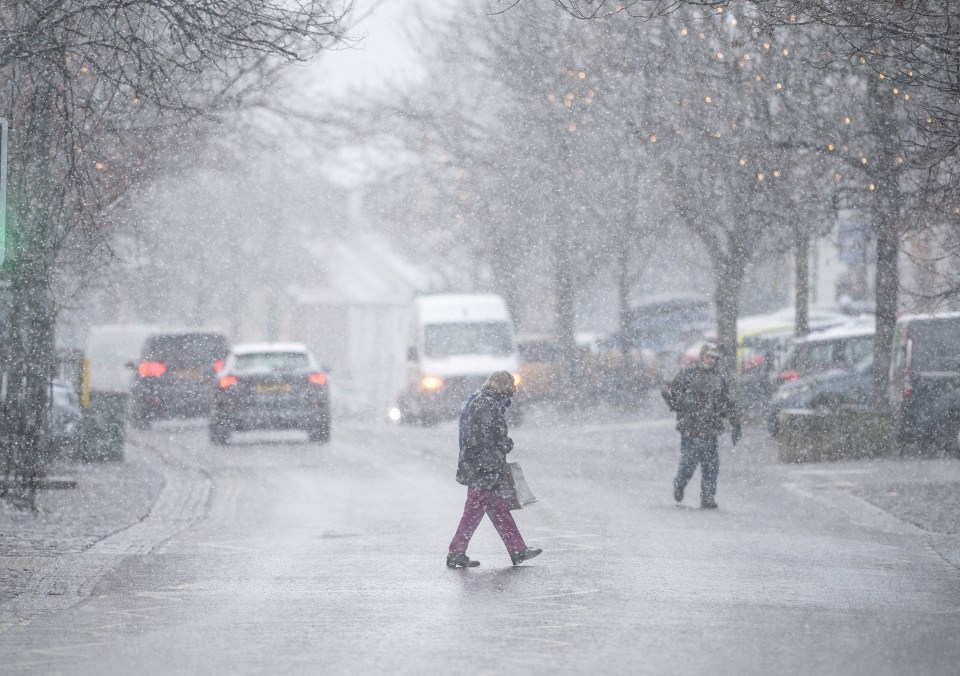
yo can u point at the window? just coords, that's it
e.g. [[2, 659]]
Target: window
[[271, 361], [481, 338]]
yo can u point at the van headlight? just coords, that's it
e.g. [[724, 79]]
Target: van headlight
[[431, 383]]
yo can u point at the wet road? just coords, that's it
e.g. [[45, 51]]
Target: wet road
[[275, 555]]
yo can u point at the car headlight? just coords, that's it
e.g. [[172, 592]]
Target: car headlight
[[431, 383]]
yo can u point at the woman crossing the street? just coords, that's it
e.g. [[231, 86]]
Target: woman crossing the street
[[484, 445]]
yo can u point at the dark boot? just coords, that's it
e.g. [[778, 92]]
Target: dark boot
[[708, 503], [678, 492], [460, 560], [525, 555]]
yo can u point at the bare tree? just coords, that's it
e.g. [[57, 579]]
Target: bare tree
[[95, 93]]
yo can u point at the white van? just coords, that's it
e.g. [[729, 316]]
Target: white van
[[110, 348], [455, 341]]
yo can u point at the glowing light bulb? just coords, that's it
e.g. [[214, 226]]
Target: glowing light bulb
[[760, 177], [830, 147], [708, 99], [779, 85], [873, 187], [743, 163], [653, 138]]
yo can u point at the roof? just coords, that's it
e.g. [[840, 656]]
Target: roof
[[928, 317], [362, 271], [467, 307], [247, 348], [852, 330]]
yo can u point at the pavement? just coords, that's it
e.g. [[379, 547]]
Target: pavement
[[273, 555]]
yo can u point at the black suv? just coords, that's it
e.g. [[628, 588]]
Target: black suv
[[176, 374]]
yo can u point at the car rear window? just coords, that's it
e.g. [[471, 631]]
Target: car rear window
[[187, 350], [271, 361], [936, 344]]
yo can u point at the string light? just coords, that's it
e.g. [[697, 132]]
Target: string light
[[900, 160], [882, 76], [906, 97], [746, 56], [786, 52], [837, 177], [846, 120], [830, 147], [683, 31], [766, 45], [551, 98], [757, 78], [719, 56], [779, 85], [733, 21], [99, 166], [570, 72], [776, 173], [863, 160], [573, 126], [717, 134], [708, 99], [896, 91], [760, 177], [873, 187], [653, 138], [581, 75], [743, 163]]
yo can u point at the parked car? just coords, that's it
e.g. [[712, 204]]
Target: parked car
[[541, 370], [925, 367], [836, 348], [826, 390], [66, 427], [175, 375], [945, 418], [271, 386]]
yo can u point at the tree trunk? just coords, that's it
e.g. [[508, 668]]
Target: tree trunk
[[802, 302], [887, 297], [563, 310], [728, 278]]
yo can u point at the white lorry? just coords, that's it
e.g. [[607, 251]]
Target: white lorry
[[455, 341]]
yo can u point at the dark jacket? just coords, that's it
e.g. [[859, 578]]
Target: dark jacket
[[701, 398], [484, 443]]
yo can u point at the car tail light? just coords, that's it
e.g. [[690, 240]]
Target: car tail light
[[218, 366], [753, 363], [317, 378], [908, 392], [227, 381], [788, 375], [152, 369]]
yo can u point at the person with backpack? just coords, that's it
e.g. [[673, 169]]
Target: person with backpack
[[700, 396], [484, 445]]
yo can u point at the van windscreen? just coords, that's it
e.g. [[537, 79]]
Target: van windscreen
[[480, 338]]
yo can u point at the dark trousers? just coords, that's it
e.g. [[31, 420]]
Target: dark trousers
[[699, 451]]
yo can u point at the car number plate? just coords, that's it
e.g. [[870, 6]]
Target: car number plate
[[274, 389], [188, 373]]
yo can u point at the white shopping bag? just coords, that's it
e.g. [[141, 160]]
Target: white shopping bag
[[518, 492]]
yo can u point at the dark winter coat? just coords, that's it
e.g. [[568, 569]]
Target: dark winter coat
[[484, 443], [701, 398]]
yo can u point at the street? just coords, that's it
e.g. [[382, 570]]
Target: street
[[273, 555]]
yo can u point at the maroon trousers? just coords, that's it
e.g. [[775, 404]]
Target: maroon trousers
[[481, 501]]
